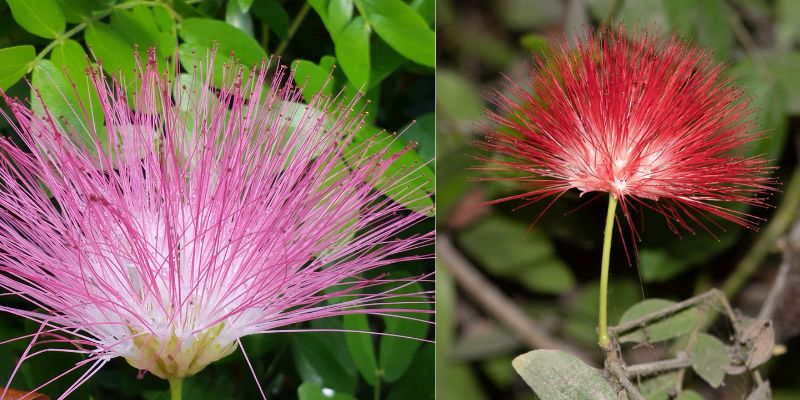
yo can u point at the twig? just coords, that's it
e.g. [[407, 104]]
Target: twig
[[623, 379], [495, 303], [674, 309], [783, 218], [658, 367], [679, 377], [790, 250], [298, 19], [748, 43]]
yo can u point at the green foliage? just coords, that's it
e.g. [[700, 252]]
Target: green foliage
[[402, 28], [709, 359], [509, 248], [458, 98], [313, 391], [555, 375], [39, 17], [271, 13], [200, 35], [15, 63], [668, 328], [112, 50], [359, 48], [361, 347], [396, 353], [352, 51]]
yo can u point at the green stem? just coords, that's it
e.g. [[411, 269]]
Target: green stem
[[603, 339], [298, 19], [377, 395], [96, 17], [175, 388]]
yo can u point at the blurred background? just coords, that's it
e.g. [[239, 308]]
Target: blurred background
[[505, 288], [391, 58]]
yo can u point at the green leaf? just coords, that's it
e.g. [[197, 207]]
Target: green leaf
[[274, 15], [339, 14], [59, 98], [457, 97], [402, 28], [681, 14], [238, 17], [185, 10], [139, 26], [658, 387], [245, 4], [643, 13], [556, 375], [784, 67], [768, 102], [660, 265], [317, 362], [667, 328], [16, 61], [536, 43], [511, 249], [423, 133], [689, 395], [112, 50], [664, 255], [415, 188], [320, 6], [314, 391], [360, 346], [787, 31], [201, 35], [312, 78], [397, 353], [581, 317], [39, 17], [710, 357], [69, 56], [425, 8], [714, 28], [352, 51], [383, 61], [419, 381], [786, 394]]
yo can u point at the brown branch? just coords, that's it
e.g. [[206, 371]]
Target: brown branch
[[791, 250], [626, 383], [674, 309], [500, 307], [658, 367]]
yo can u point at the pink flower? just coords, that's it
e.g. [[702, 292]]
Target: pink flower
[[649, 120], [203, 216]]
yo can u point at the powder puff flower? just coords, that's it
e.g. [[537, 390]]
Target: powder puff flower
[[196, 217], [646, 119]]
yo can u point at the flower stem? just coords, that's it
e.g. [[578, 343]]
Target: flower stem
[[377, 393], [175, 388], [298, 19], [603, 339]]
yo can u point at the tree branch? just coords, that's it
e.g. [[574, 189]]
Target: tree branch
[[495, 303]]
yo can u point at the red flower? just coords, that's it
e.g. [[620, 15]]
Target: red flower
[[647, 119]]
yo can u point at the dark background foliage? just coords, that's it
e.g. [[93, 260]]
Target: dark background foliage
[[552, 269], [385, 47]]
